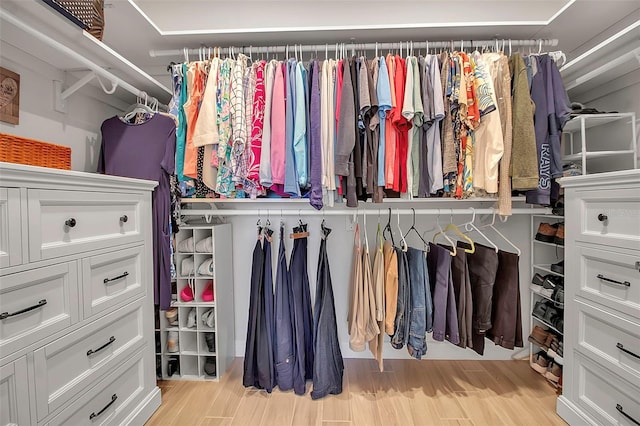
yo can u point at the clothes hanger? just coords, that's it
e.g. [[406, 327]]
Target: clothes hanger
[[379, 236], [366, 236], [413, 228], [446, 237], [452, 227], [138, 107], [403, 243], [491, 225], [470, 226], [388, 228]]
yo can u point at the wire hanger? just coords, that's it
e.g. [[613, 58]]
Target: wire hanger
[[491, 225], [366, 236], [403, 243], [446, 237], [413, 228]]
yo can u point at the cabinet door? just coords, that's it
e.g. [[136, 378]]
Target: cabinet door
[[14, 394], [10, 236]]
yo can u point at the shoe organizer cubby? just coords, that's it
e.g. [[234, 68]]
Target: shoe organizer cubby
[[193, 351]]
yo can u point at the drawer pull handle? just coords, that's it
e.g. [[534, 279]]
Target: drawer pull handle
[[602, 217], [93, 351], [107, 280], [70, 222], [619, 408], [124, 218], [621, 347], [609, 280], [94, 414], [22, 311]]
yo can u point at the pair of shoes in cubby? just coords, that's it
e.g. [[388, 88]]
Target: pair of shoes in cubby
[[172, 342], [187, 267], [210, 339], [208, 318], [172, 316], [210, 366], [191, 318], [203, 246], [187, 293]]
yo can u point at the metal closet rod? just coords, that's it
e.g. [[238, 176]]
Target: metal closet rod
[[352, 211], [366, 46]]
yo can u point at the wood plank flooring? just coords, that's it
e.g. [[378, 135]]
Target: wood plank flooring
[[409, 392]]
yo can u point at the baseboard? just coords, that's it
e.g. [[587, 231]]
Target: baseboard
[[571, 414], [145, 409]]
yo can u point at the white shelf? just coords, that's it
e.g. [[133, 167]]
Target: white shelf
[[593, 120], [536, 291], [596, 154], [547, 325], [549, 216], [544, 243], [547, 268]]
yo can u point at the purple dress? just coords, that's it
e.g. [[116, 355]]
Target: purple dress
[[146, 151]]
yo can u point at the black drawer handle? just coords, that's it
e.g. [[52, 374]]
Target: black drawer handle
[[22, 311], [621, 347], [609, 280], [106, 280], [94, 351], [70, 222], [94, 414], [124, 218], [619, 408], [603, 217]]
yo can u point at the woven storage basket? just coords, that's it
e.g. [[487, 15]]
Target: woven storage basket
[[15, 149], [87, 14]]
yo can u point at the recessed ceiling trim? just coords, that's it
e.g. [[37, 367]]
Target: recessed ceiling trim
[[351, 27]]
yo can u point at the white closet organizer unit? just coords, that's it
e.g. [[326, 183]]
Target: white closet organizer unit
[[193, 350], [543, 255], [602, 299], [76, 298], [579, 143]]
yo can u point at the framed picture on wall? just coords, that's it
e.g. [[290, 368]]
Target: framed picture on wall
[[9, 96]]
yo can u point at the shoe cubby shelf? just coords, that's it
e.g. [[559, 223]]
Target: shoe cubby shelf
[[544, 255], [196, 336]]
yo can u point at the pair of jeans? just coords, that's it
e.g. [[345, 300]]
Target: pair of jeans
[[483, 266], [258, 357], [302, 321], [401, 329], [421, 307], [445, 313], [328, 366], [506, 316]]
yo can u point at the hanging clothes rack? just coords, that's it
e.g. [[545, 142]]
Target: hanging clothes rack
[[360, 46], [351, 211], [95, 70]]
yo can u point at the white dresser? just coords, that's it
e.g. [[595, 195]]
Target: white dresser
[[602, 300], [76, 298]]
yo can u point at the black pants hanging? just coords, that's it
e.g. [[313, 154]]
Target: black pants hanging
[[283, 344], [250, 374], [506, 320], [328, 366]]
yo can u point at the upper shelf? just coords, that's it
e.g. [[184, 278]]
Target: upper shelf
[[42, 19], [592, 120]]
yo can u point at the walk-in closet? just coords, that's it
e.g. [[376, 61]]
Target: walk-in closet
[[319, 213]]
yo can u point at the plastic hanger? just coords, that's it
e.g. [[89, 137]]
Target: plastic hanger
[[453, 227], [366, 236], [446, 237], [470, 226], [388, 228], [413, 228], [403, 242], [491, 225], [138, 107]]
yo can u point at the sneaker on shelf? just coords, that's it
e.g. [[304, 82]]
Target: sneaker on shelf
[[210, 366], [172, 316], [208, 318], [173, 366], [172, 341], [554, 372], [558, 295], [558, 267], [210, 339], [539, 336], [559, 238], [191, 318], [546, 232]]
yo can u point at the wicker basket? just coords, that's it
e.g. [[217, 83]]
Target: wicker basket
[[87, 14], [15, 149]]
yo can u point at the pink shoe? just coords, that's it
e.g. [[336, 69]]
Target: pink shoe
[[187, 293], [207, 294]]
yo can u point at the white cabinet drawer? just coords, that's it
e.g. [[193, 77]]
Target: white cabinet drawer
[[111, 278], [599, 393], [10, 229], [37, 303], [14, 392], [610, 278], [68, 365], [612, 340], [69, 222], [111, 400], [610, 217]]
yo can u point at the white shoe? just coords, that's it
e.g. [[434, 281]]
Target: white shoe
[[206, 268], [186, 246], [205, 245], [172, 341], [191, 318], [208, 318], [187, 267]]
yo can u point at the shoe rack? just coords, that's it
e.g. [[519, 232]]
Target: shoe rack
[[204, 328], [545, 254]]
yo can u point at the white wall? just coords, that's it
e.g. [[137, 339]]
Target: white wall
[[79, 128], [340, 249]]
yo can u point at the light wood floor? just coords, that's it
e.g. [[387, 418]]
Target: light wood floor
[[408, 393]]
